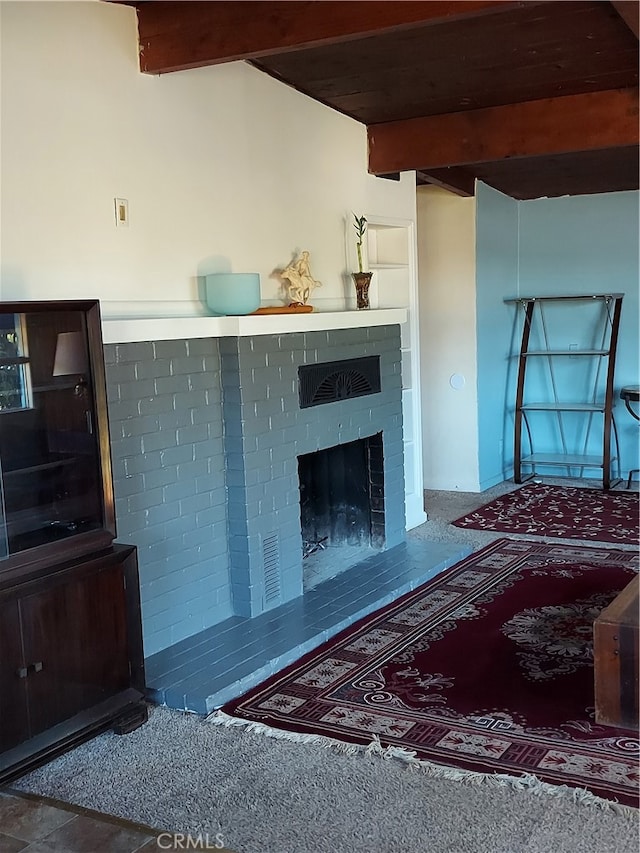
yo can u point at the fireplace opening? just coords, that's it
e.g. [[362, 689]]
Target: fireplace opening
[[341, 507]]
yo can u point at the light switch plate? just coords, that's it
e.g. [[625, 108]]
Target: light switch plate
[[121, 207]]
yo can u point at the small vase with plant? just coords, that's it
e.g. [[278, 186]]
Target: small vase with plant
[[361, 279]]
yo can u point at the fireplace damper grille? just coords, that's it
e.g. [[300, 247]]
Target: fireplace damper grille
[[338, 380]]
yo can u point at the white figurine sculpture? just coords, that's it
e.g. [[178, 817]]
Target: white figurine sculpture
[[301, 282]]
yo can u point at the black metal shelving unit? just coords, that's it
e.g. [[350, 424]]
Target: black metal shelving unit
[[603, 330]]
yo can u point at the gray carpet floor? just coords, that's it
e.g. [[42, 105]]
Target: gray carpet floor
[[180, 773]]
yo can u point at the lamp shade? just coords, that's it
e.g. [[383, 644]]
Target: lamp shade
[[71, 357], [233, 292]]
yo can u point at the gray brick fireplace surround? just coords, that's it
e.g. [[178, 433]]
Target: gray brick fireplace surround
[[206, 435], [205, 439]]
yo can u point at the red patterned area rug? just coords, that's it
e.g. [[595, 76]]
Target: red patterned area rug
[[563, 512], [486, 669]]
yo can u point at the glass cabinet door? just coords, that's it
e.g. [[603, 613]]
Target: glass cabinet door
[[4, 544], [49, 449]]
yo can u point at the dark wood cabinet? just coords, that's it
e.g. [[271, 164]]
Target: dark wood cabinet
[[55, 461], [71, 659], [13, 687], [71, 653]]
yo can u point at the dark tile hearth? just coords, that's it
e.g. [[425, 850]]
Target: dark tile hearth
[[220, 663]]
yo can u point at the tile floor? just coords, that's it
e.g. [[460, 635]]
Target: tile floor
[[30, 824], [39, 825]]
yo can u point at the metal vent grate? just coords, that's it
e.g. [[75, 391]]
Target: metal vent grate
[[338, 380], [271, 563]]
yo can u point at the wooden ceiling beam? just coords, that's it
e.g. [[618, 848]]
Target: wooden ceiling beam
[[177, 35], [629, 11], [456, 180], [572, 123]]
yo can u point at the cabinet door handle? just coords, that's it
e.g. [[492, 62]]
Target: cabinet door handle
[[22, 672], [36, 667]]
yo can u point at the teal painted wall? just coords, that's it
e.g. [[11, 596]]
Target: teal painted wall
[[496, 279], [588, 244], [571, 245]]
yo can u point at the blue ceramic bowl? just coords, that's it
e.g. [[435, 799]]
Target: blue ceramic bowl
[[233, 292]]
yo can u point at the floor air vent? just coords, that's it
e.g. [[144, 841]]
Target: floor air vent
[[338, 380]]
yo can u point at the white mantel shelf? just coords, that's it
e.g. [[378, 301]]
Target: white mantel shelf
[[123, 330]]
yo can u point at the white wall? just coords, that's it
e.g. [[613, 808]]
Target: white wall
[[223, 168], [497, 279], [447, 285]]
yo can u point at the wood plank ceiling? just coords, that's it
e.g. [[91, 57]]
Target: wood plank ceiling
[[533, 98]]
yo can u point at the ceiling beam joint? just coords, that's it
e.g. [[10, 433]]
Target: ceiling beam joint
[[629, 11]]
